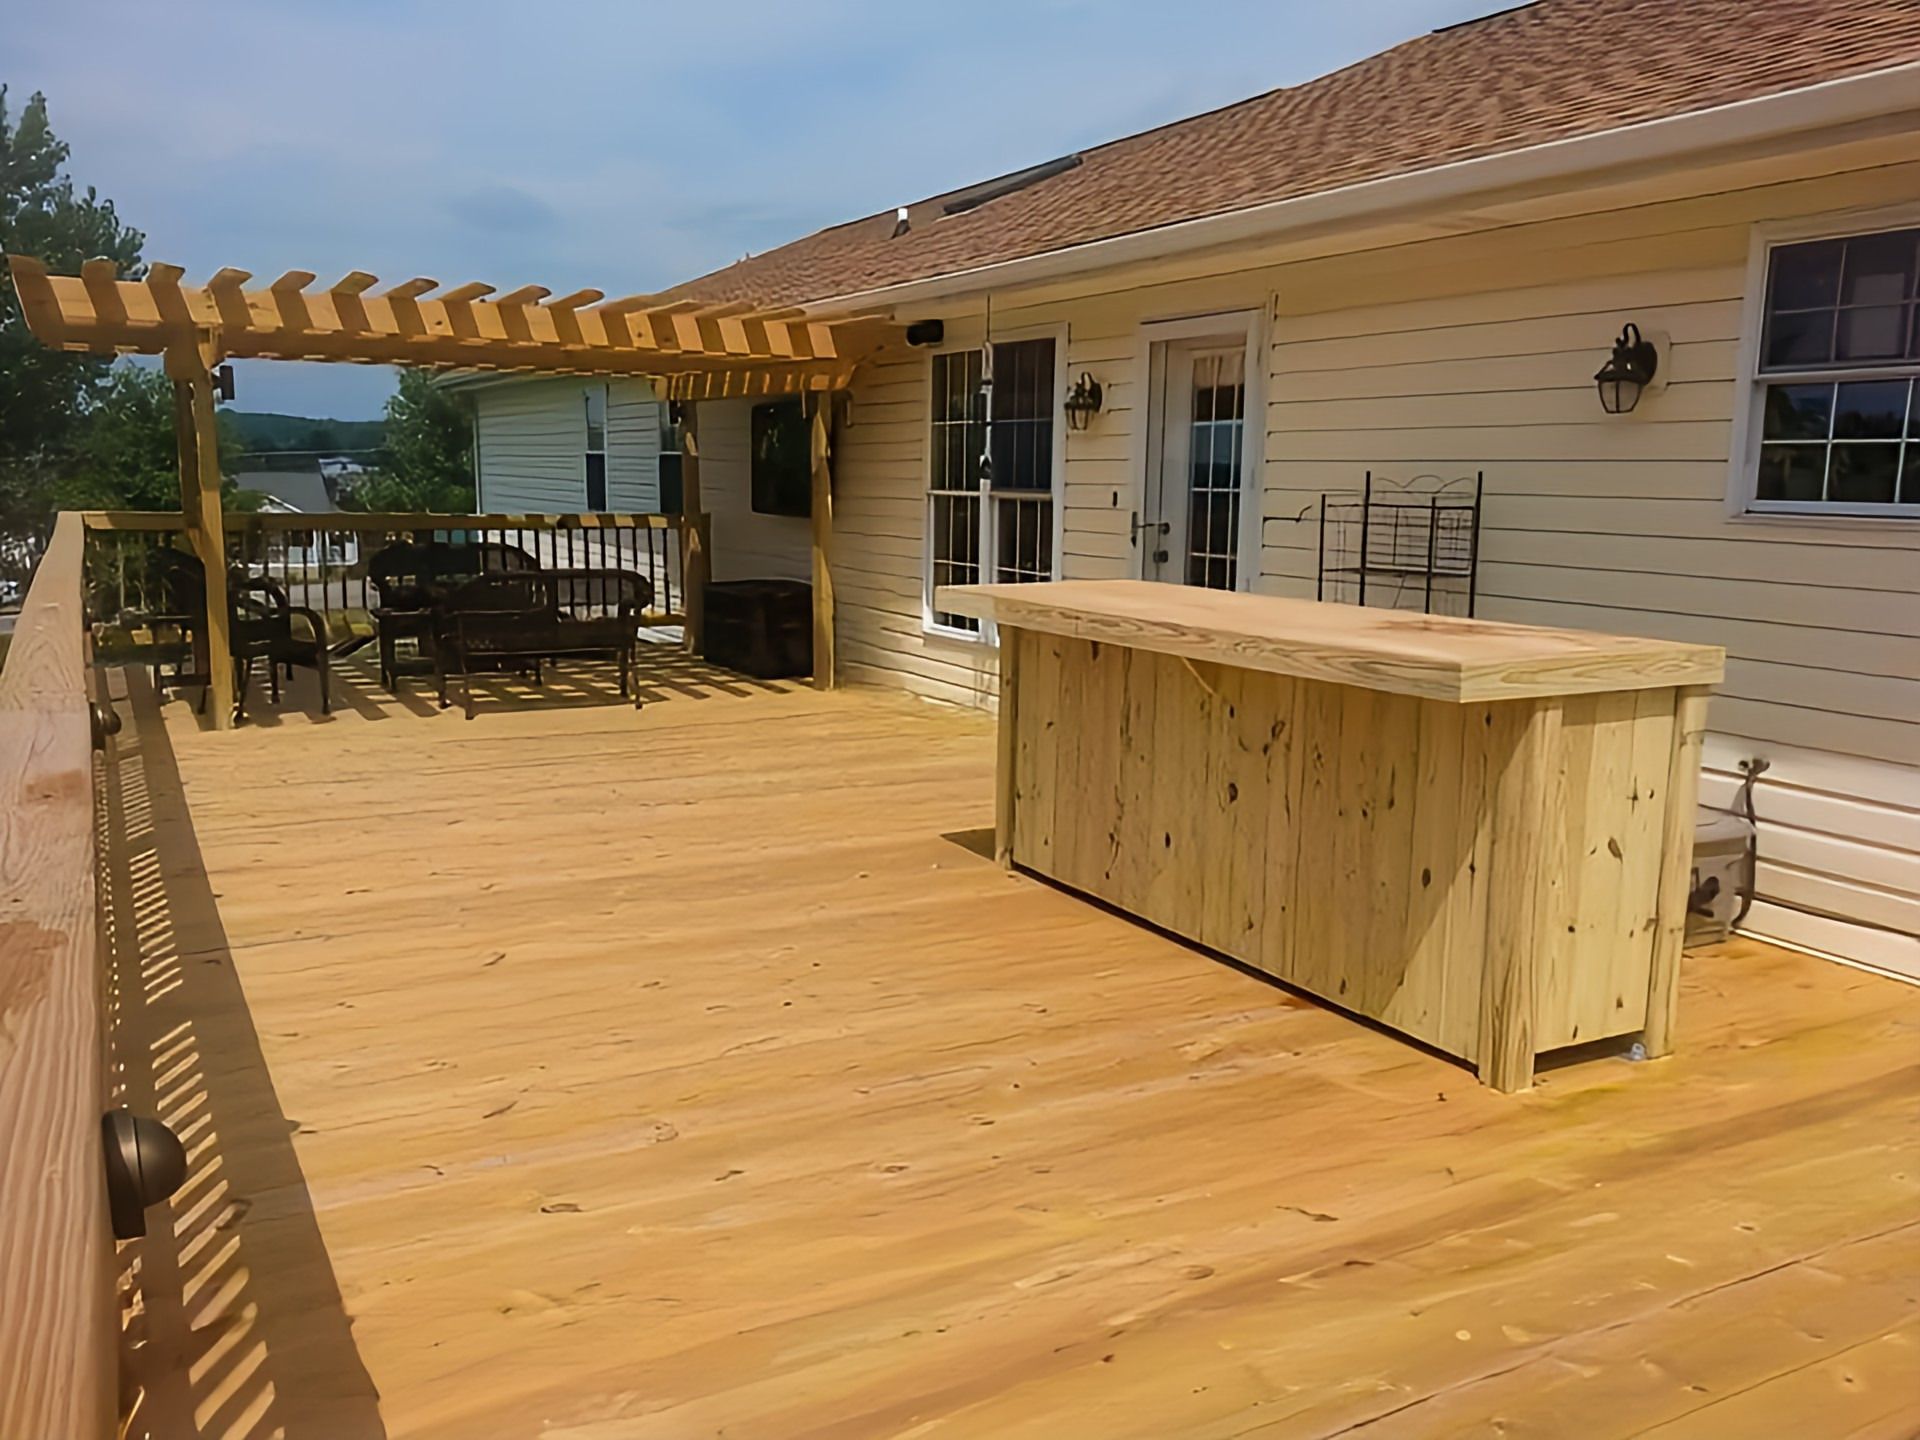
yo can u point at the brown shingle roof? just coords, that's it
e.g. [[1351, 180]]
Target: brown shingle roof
[[1547, 71]]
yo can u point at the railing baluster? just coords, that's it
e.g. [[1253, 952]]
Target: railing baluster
[[306, 555]]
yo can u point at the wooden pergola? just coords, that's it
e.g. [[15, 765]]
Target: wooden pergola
[[688, 350]]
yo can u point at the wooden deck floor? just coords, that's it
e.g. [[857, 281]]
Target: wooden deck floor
[[579, 1073]]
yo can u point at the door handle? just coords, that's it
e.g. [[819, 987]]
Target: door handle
[[1161, 527]]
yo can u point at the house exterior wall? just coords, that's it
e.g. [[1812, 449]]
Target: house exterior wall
[[633, 447], [746, 545], [1476, 352], [530, 439]]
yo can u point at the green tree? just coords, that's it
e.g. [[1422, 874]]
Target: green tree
[[428, 463], [126, 455], [45, 393]]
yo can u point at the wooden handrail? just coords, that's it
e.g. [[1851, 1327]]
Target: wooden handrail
[[380, 522], [58, 1337]]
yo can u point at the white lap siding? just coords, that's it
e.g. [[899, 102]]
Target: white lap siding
[[1477, 352], [746, 544], [531, 438], [1621, 523], [633, 447]]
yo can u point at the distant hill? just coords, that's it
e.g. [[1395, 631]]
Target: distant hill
[[262, 431]]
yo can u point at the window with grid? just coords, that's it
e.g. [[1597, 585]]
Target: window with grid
[[1214, 457], [1011, 523], [1839, 357], [670, 484], [595, 398]]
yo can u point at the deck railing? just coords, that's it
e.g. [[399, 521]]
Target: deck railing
[[322, 562], [58, 1331]]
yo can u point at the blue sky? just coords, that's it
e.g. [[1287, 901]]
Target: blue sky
[[593, 142]]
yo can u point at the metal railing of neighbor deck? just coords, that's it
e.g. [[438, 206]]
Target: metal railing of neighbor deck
[[324, 563]]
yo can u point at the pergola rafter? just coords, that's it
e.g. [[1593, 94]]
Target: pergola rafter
[[686, 349], [690, 350]]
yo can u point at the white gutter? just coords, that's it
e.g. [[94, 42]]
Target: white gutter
[[1830, 103]]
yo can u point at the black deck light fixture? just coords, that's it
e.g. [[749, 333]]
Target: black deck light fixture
[[1627, 371], [1082, 402], [145, 1164]]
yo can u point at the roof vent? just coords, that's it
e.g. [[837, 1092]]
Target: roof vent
[[965, 200], [900, 223]]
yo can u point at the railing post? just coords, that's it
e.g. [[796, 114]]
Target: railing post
[[197, 435], [693, 532], [821, 510]]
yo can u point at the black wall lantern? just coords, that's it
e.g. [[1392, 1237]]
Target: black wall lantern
[[1083, 402], [1627, 371]]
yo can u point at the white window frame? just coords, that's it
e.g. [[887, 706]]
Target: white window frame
[[1743, 502], [1252, 323], [988, 633], [587, 392]]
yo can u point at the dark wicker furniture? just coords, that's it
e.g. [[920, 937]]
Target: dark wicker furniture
[[181, 583], [261, 625], [408, 575], [264, 626], [506, 622], [762, 628]]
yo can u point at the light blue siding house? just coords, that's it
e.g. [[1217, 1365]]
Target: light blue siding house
[[545, 445]]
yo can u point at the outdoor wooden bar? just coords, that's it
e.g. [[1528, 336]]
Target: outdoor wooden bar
[[1478, 834]]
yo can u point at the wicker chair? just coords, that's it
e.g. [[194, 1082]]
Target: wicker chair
[[408, 576], [261, 625], [266, 627]]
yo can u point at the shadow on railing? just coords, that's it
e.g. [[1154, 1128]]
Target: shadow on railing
[[236, 1326]]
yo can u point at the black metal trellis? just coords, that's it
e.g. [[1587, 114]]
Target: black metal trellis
[[1402, 545]]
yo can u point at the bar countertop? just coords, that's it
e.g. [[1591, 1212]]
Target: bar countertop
[[1434, 657]]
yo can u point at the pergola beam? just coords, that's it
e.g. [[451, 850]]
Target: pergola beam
[[694, 349]]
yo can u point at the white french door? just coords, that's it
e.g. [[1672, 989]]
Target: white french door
[[1189, 530]]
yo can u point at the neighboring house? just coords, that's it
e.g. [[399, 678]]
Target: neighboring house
[[301, 492], [560, 445], [1417, 264], [292, 491]]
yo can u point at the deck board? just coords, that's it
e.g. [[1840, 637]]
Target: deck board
[[579, 1073]]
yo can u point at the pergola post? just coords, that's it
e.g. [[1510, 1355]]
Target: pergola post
[[197, 438], [821, 511], [693, 531]]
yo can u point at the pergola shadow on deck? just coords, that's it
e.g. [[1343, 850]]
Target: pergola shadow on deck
[[621, 1076], [662, 671]]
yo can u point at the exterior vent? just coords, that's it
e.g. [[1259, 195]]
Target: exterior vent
[[1007, 184]]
